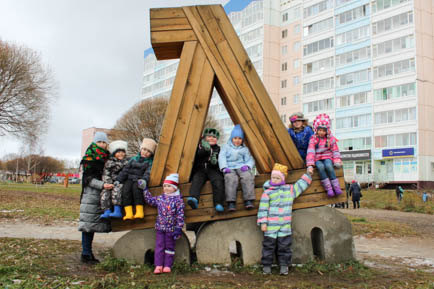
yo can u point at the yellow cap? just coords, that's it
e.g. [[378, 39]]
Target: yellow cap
[[279, 167]]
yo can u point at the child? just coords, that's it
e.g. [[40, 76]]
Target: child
[[356, 192], [205, 168], [135, 177], [300, 132], [323, 152], [90, 210], [169, 223], [274, 217], [236, 162], [112, 168]]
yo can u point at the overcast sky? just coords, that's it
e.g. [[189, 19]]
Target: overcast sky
[[95, 50]]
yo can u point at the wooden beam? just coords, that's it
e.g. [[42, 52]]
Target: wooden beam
[[159, 37], [169, 24], [166, 13]]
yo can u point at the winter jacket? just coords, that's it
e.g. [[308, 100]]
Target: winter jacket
[[355, 192], [112, 169], [203, 157], [301, 139], [275, 207], [318, 149], [234, 157], [138, 167], [170, 211], [90, 209]]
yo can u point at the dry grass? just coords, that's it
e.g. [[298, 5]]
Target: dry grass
[[374, 228]]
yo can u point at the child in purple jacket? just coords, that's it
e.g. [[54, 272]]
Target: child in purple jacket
[[169, 223]]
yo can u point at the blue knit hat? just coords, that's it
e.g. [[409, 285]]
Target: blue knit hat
[[237, 132], [100, 136]]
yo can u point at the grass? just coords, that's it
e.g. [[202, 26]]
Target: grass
[[29, 263], [373, 228], [386, 200]]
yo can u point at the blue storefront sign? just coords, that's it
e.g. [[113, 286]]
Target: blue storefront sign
[[398, 153]]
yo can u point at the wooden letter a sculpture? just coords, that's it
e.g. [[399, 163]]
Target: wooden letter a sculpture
[[211, 55]]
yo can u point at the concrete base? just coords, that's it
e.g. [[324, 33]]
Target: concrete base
[[322, 232], [138, 246], [217, 240]]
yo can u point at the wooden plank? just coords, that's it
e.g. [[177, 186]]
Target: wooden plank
[[183, 120], [166, 13], [165, 51], [173, 108], [266, 130], [262, 157], [169, 24], [158, 37], [257, 85], [197, 122]]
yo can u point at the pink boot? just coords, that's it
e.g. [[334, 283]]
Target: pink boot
[[328, 187], [158, 270], [167, 270], [336, 186]]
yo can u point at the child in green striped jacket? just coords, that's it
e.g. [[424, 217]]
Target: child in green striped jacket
[[274, 217]]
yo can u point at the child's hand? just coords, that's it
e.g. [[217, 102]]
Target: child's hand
[[263, 227], [338, 165], [245, 168], [177, 234], [310, 170], [141, 183], [227, 171], [108, 186], [205, 145]]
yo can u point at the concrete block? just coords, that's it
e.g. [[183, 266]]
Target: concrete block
[[217, 240], [138, 245], [321, 232]]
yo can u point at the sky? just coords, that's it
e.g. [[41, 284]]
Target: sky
[[95, 51]]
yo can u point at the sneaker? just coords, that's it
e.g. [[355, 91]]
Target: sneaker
[[88, 259], [284, 270], [231, 206], [248, 205], [266, 270], [192, 202], [219, 208]]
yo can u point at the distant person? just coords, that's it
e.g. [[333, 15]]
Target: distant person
[[399, 193], [90, 210], [300, 132], [356, 193], [323, 152], [424, 197]]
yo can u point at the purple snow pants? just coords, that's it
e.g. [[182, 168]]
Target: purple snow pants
[[164, 249]]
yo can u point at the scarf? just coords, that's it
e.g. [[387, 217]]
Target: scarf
[[93, 164]]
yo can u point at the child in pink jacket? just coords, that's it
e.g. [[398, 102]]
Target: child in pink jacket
[[323, 152]]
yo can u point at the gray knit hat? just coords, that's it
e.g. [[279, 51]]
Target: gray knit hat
[[100, 136]]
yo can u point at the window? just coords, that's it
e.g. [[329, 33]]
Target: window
[[393, 45], [318, 85], [392, 23], [318, 27], [353, 78], [296, 63], [283, 117], [252, 35], [296, 29], [318, 105], [352, 35], [394, 116], [284, 17], [254, 51], [352, 144], [384, 4], [351, 99], [283, 83], [252, 14], [295, 80], [389, 69], [284, 33], [394, 92], [284, 66], [296, 46], [353, 56], [318, 66], [340, 2], [317, 8], [352, 14], [296, 98], [357, 121], [318, 46], [396, 140], [283, 101], [284, 50]]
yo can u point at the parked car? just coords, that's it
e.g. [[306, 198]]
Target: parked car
[[74, 181]]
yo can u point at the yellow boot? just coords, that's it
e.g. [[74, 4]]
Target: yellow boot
[[139, 212], [128, 213]]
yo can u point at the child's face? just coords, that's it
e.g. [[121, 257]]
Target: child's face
[[120, 155], [212, 140], [145, 153], [321, 132], [237, 141], [168, 189], [101, 144], [297, 124], [276, 179]]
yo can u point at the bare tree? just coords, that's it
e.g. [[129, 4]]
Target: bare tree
[[26, 88], [145, 119]]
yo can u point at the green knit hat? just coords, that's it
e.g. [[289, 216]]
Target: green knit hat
[[211, 132]]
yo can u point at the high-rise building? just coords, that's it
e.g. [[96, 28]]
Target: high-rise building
[[369, 64]]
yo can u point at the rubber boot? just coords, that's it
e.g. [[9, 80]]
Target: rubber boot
[[106, 214], [167, 270], [336, 187], [117, 212], [328, 187], [128, 213], [158, 270], [139, 212]]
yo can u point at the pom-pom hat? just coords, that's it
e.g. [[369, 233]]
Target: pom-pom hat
[[173, 180]]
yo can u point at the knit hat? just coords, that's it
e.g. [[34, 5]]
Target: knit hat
[[211, 132], [100, 136], [280, 170], [322, 121], [172, 180], [118, 145], [237, 132], [148, 144], [297, 116]]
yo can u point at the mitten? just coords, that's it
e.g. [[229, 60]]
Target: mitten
[[310, 170], [177, 234], [227, 171], [141, 183], [116, 183], [205, 145], [213, 159], [245, 168]]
